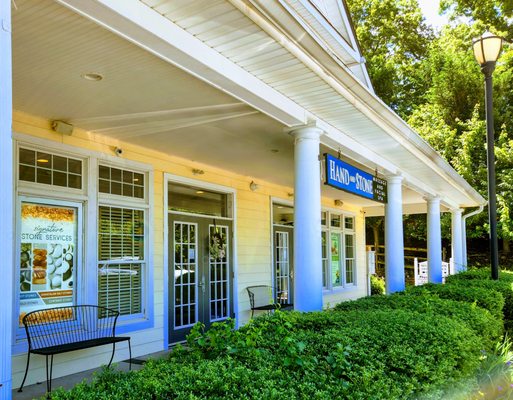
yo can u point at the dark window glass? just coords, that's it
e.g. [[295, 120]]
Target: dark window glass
[[27, 173], [75, 166], [60, 163], [27, 157], [44, 176], [197, 200], [59, 179]]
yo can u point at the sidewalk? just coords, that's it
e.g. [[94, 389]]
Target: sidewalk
[[67, 382]]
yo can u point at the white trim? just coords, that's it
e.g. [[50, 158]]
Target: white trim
[[196, 278], [44, 187], [6, 198], [136, 22], [198, 183], [168, 177], [206, 216], [78, 152]]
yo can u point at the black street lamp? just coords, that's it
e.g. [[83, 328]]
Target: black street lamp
[[486, 50]]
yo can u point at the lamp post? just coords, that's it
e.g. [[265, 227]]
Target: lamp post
[[486, 50]]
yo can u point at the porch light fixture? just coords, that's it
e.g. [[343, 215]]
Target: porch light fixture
[[196, 171], [339, 203], [92, 76], [199, 192], [487, 49], [253, 186]]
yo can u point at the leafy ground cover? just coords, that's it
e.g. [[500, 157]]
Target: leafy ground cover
[[434, 342]]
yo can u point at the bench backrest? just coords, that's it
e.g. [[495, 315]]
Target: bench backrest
[[260, 295], [63, 325]]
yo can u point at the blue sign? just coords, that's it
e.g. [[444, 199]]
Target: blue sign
[[344, 176]]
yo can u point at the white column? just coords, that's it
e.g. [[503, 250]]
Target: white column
[[434, 240], [307, 220], [394, 241], [456, 239], [6, 202]]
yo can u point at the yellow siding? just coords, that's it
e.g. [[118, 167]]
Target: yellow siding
[[253, 250]]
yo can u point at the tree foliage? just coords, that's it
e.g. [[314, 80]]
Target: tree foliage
[[432, 80]]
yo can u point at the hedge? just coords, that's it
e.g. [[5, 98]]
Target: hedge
[[482, 278], [427, 343], [379, 354], [476, 318], [491, 300]]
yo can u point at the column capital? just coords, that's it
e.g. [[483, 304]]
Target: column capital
[[456, 211], [430, 199], [394, 178], [307, 131]]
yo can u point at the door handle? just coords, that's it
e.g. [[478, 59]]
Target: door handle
[[202, 284]]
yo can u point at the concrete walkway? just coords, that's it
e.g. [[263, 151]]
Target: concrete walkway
[[67, 382]]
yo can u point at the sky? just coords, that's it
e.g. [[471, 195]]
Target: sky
[[430, 11]]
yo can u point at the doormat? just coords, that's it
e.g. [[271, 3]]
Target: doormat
[[137, 361]]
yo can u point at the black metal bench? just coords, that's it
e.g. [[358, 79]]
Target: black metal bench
[[62, 329], [261, 299]]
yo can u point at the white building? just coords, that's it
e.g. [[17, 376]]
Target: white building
[[193, 119]]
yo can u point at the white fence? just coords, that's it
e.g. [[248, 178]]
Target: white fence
[[421, 271]]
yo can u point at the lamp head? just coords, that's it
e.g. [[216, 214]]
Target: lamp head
[[487, 48]]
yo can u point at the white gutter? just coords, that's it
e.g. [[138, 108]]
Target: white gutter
[[364, 101], [464, 231]]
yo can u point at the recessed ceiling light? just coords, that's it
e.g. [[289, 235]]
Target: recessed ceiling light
[[280, 206], [136, 179], [92, 76], [199, 192]]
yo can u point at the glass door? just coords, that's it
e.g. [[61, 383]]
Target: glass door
[[200, 273], [283, 264]]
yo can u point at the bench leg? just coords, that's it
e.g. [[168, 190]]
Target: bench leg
[[112, 356], [129, 355], [26, 371], [49, 376]]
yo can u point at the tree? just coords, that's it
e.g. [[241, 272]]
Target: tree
[[432, 81], [394, 39]]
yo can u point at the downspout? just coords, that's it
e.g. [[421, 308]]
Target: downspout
[[464, 231]]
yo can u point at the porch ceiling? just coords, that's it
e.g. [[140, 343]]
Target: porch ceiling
[[147, 101]]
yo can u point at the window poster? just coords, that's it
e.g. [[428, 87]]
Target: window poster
[[335, 259], [47, 256]]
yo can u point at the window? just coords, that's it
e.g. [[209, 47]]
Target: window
[[325, 262], [122, 254], [189, 199], [121, 182], [349, 256], [51, 223], [49, 169], [121, 259], [338, 251]]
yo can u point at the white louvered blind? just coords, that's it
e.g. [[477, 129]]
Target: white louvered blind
[[120, 258]]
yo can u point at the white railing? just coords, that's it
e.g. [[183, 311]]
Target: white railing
[[421, 271]]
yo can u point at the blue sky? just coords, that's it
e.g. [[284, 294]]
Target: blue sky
[[430, 11]]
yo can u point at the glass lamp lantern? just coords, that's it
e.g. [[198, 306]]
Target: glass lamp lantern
[[487, 48]]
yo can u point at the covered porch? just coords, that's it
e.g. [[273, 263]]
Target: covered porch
[[215, 98]]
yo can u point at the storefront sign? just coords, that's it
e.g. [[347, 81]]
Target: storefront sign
[[48, 240], [353, 180]]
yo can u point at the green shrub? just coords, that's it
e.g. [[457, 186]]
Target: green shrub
[[492, 301], [377, 354], [476, 318], [482, 278], [377, 285]]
